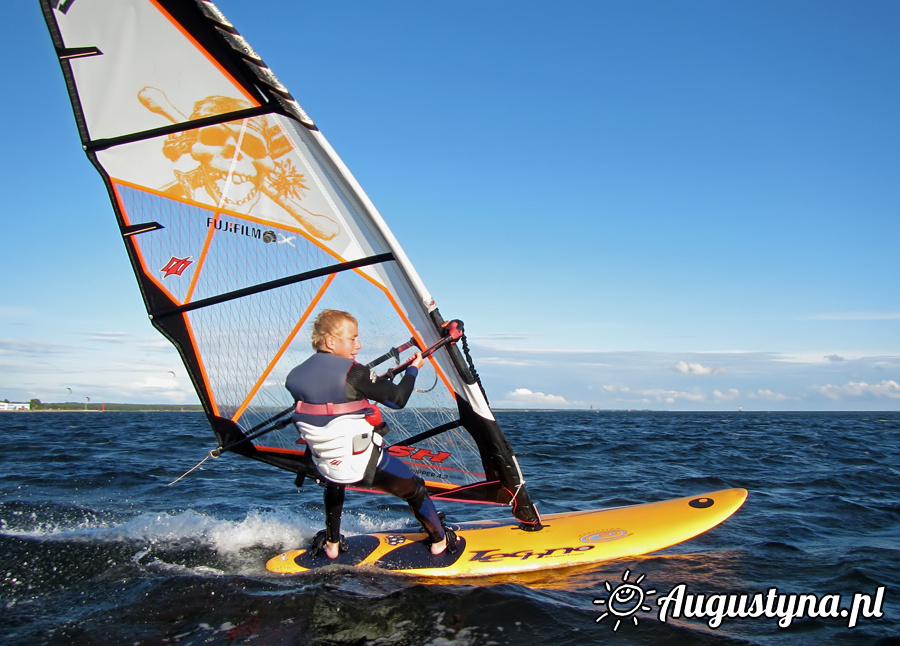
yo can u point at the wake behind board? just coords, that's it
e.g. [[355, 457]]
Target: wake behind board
[[499, 547]]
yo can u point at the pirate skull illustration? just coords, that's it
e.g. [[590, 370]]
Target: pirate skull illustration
[[237, 163]]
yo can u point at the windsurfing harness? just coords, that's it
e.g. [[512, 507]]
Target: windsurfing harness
[[337, 427]]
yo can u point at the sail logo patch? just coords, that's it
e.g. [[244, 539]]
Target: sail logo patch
[[176, 266], [221, 224], [605, 536], [419, 455], [489, 556]]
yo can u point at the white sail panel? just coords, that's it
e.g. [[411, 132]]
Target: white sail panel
[[139, 51]]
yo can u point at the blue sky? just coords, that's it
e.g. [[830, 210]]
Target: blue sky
[[656, 205]]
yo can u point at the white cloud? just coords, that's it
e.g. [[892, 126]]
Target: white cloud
[[672, 396], [506, 336], [658, 395], [730, 395], [156, 344], [499, 361], [156, 382], [815, 358], [696, 369], [110, 337], [887, 388], [526, 397], [767, 394], [29, 348]]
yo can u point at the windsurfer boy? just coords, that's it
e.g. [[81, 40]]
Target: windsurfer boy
[[339, 424]]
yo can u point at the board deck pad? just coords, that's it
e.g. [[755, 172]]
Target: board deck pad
[[415, 554], [501, 547], [360, 547]]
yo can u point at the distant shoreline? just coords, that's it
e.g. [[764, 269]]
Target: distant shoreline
[[112, 408], [197, 408]]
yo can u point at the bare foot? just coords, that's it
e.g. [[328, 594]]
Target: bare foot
[[332, 549], [439, 547]]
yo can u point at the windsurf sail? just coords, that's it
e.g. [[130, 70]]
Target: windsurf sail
[[241, 223]]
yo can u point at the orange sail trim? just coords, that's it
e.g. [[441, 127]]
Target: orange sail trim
[[161, 193], [223, 211], [203, 372], [148, 272], [216, 214], [190, 39], [202, 257], [440, 485], [151, 275], [283, 348], [214, 222]]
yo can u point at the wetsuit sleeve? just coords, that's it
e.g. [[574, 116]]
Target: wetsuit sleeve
[[362, 383]]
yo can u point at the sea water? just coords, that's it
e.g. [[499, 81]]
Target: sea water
[[96, 548]]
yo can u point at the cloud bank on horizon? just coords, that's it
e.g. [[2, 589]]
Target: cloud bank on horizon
[[118, 366], [699, 381]]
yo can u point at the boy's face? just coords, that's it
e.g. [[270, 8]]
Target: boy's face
[[345, 344]]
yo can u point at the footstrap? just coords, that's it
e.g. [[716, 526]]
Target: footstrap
[[449, 534], [318, 543]]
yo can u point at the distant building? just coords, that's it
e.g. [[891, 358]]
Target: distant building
[[15, 406]]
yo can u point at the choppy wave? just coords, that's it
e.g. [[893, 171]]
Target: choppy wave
[[96, 549]]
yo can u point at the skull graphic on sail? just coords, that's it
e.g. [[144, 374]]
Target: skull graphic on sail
[[236, 164]]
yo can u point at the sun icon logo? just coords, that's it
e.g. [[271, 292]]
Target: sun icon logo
[[624, 600]]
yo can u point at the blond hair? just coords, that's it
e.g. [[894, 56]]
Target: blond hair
[[329, 322]]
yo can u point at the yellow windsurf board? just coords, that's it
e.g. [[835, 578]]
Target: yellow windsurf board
[[499, 547]]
